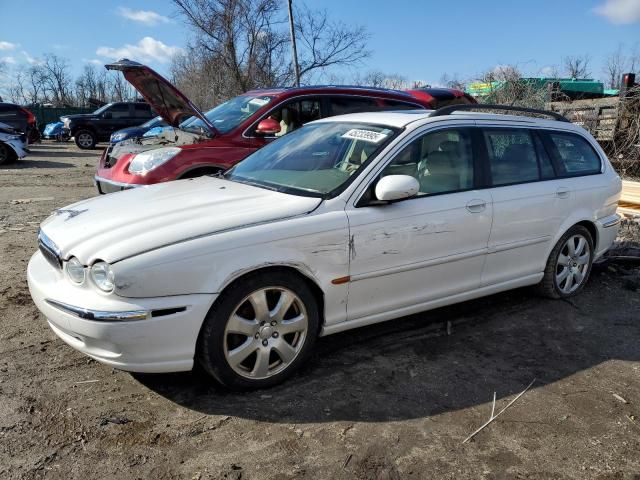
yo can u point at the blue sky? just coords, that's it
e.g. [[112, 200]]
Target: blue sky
[[420, 40]]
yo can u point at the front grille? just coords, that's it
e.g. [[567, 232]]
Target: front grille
[[48, 250]]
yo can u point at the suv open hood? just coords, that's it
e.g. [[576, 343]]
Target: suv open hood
[[169, 102]]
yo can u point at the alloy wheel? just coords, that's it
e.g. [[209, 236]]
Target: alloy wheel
[[85, 140], [265, 333], [572, 264]]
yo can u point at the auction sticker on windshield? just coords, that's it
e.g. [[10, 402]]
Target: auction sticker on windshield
[[365, 135]]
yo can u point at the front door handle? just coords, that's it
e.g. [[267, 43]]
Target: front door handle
[[476, 205], [562, 192]]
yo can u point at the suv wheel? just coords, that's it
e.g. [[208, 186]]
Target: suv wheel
[[569, 264], [259, 332], [85, 139]]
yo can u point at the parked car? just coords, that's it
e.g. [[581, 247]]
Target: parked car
[[345, 222], [442, 97], [90, 128], [212, 142], [55, 131], [12, 145], [19, 118], [137, 132]]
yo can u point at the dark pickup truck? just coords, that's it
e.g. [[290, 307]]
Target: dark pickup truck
[[91, 128]]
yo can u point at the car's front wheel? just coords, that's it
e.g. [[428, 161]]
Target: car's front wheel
[[85, 139], [569, 264], [6, 154], [260, 331]]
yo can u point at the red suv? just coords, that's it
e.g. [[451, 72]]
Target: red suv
[[197, 144]]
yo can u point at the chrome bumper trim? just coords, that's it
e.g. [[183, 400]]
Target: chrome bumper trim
[[100, 315], [96, 178]]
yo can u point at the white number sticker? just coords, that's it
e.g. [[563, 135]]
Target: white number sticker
[[365, 135]]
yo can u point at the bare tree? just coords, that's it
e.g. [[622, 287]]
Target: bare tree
[[508, 87], [577, 66], [379, 79], [57, 79], [452, 81], [324, 43], [243, 44], [614, 66]]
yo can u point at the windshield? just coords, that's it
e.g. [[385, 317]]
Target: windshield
[[102, 109], [228, 115], [154, 122], [317, 160]]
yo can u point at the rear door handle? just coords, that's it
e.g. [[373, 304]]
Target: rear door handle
[[476, 206], [562, 192]]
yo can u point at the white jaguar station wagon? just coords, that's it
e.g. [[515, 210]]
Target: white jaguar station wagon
[[346, 222]]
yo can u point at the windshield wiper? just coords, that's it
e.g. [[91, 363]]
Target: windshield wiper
[[255, 184]]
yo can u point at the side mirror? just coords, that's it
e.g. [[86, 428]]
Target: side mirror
[[106, 115], [268, 126], [396, 187]]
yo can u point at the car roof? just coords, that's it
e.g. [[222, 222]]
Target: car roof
[[402, 118], [337, 89]]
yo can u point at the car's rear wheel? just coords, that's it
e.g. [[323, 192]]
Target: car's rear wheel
[[85, 139], [260, 331], [6, 154], [569, 264]]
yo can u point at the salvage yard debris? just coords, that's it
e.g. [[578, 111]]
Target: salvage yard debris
[[493, 409], [19, 201]]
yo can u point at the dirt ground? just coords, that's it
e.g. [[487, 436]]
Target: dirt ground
[[386, 402]]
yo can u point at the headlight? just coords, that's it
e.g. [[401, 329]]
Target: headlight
[[116, 137], [146, 161], [75, 270], [103, 276]]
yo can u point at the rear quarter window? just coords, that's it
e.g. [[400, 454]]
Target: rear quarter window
[[575, 155]]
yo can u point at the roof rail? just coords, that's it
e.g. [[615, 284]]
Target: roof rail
[[487, 106]]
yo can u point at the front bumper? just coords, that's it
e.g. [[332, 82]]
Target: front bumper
[[18, 146], [134, 334]]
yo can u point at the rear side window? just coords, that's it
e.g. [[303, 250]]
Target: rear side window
[[512, 156], [575, 155], [398, 105], [119, 110], [141, 111], [343, 105]]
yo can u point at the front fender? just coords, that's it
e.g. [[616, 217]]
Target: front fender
[[315, 245]]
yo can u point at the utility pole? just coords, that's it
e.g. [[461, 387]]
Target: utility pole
[[296, 67]]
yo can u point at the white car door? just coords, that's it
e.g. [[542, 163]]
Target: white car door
[[428, 247], [529, 203]]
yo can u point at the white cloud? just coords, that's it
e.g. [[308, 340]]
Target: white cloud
[[146, 17], [620, 11], [93, 61], [146, 50], [547, 71], [31, 60], [8, 45], [8, 60]]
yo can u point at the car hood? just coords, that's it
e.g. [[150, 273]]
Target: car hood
[[169, 102], [131, 130], [124, 224], [79, 116]]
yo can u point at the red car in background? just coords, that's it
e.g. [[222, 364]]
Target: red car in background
[[198, 144]]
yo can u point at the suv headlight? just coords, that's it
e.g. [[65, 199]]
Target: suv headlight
[[147, 161], [103, 276], [75, 270], [116, 137]]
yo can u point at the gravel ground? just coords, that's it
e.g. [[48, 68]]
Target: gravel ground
[[386, 402]]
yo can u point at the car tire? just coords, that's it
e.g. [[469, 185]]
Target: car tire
[[6, 154], [569, 264], [85, 139], [259, 331]]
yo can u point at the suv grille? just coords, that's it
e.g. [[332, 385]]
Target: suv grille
[[49, 250]]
